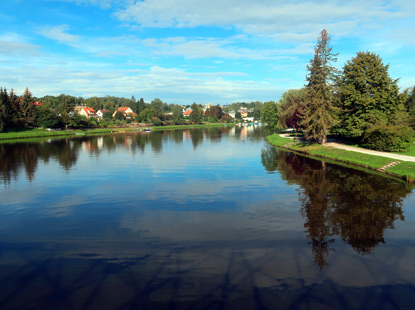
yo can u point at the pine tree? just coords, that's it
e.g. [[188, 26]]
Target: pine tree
[[5, 110], [320, 113], [27, 107]]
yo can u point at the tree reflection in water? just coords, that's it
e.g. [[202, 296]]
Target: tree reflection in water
[[24, 156], [330, 210]]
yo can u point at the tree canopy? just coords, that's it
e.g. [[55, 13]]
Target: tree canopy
[[197, 113], [367, 93], [270, 114]]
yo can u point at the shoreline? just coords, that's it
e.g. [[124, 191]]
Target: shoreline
[[403, 170], [43, 133]]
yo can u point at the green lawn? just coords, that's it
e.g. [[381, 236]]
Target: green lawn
[[29, 133], [404, 170], [38, 132]]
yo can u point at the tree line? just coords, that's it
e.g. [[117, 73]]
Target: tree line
[[59, 111], [361, 101]]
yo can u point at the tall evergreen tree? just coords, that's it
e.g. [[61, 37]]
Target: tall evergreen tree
[[140, 105], [27, 107], [368, 95], [320, 112], [5, 109]]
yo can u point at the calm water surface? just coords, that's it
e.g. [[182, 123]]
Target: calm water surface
[[198, 219]]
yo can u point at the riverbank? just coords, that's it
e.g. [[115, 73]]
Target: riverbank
[[43, 133], [398, 168]]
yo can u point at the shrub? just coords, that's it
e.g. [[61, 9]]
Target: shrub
[[389, 138]]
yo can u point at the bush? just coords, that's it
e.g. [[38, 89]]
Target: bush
[[390, 138]]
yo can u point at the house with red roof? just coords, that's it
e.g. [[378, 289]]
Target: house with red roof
[[100, 112], [38, 104], [88, 112], [187, 113]]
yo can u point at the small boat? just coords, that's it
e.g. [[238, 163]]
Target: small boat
[[147, 129]]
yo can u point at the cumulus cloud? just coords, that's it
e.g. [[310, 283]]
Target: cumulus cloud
[[58, 33], [301, 20]]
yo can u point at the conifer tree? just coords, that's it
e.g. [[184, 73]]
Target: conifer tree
[[320, 113], [27, 107], [5, 109]]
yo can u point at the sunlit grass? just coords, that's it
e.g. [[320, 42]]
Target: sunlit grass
[[406, 169]]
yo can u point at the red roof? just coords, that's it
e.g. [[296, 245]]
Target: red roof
[[89, 111], [188, 112], [123, 109], [38, 104]]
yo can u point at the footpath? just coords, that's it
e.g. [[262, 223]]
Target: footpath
[[337, 145]]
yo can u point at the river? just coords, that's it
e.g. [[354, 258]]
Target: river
[[198, 219]]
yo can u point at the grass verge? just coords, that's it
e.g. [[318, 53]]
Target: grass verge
[[41, 133], [404, 170]]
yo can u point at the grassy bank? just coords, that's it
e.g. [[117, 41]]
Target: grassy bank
[[404, 170], [43, 133]]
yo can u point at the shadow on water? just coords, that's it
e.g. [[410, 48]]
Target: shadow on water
[[339, 201]]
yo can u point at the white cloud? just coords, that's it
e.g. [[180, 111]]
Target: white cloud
[[302, 21], [59, 34]]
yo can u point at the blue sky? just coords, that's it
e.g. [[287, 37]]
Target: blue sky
[[185, 51]]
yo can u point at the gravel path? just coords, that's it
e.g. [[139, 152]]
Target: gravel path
[[364, 151]]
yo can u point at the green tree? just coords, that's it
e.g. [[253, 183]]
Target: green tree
[[47, 118], [66, 106], [119, 116], [291, 107], [140, 106], [107, 116], [269, 114], [28, 108], [197, 113], [177, 113], [257, 107], [147, 115], [157, 105], [368, 95], [5, 110], [320, 113]]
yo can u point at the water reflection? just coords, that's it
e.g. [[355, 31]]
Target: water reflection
[[170, 221], [24, 156], [352, 204]]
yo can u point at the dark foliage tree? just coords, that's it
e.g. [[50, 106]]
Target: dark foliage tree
[[27, 107], [5, 110], [214, 113], [320, 113], [48, 118], [369, 97]]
